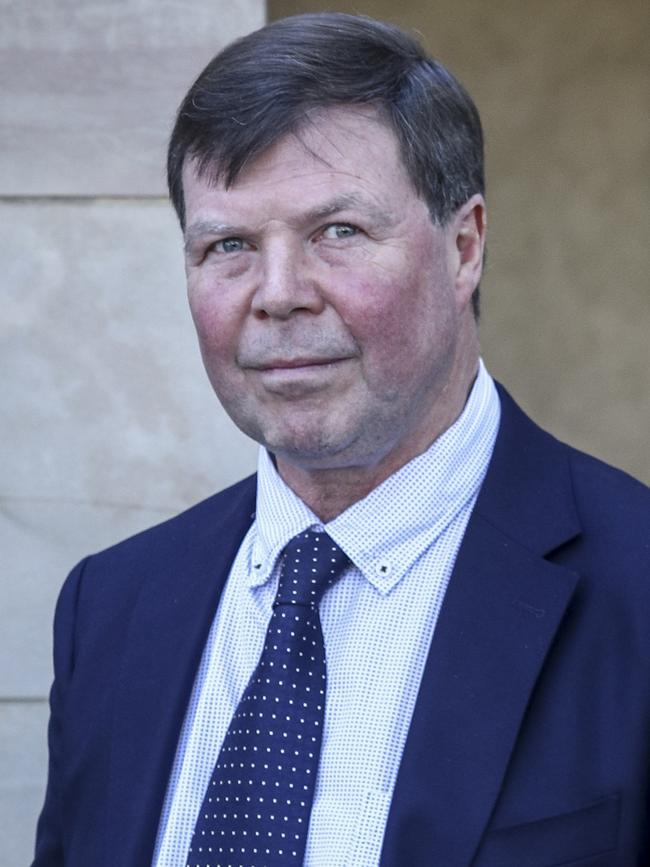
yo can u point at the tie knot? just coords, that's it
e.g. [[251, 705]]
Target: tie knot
[[312, 562]]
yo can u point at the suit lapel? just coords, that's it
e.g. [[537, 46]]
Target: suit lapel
[[502, 610], [168, 631]]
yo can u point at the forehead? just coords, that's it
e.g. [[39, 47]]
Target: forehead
[[343, 150]]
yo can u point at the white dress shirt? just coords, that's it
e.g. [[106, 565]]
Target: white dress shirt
[[378, 621]]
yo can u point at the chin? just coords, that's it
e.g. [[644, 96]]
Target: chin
[[310, 449], [312, 453]]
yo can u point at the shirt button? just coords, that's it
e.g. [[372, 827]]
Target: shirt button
[[383, 569]]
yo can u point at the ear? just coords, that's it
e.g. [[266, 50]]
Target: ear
[[468, 226]]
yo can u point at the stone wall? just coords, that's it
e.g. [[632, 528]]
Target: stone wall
[[108, 422]]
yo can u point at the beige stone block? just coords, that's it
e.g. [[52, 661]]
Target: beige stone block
[[23, 770], [109, 422], [90, 89]]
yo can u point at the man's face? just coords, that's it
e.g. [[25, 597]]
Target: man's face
[[331, 317]]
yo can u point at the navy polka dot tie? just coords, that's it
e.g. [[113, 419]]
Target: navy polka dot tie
[[257, 804]]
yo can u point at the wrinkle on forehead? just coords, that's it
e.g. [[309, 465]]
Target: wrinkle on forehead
[[346, 118], [312, 127]]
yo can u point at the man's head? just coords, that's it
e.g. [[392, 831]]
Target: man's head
[[268, 84], [331, 290]]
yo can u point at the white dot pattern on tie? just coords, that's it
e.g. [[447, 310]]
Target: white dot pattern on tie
[[257, 805]]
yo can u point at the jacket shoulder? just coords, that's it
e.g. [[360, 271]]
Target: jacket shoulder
[[228, 508], [98, 596], [162, 553], [614, 509], [593, 476], [545, 490]]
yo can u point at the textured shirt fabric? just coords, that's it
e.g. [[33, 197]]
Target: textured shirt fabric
[[402, 540]]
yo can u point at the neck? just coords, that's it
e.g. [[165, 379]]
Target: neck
[[329, 492]]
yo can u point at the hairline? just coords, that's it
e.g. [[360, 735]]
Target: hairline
[[209, 169]]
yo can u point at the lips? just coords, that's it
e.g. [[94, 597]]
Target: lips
[[293, 363], [295, 378]]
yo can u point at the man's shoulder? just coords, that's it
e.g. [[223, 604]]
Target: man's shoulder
[[602, 484], [612, 507], [605, 494], [614, 510], [227, 512], [183, 554], [520, 430]]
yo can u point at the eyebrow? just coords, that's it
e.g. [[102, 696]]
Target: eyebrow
[[342, 203], [207, 227]]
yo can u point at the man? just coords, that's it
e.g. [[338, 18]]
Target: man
[[468, 683]]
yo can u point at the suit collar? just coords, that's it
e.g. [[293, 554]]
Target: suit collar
[[502, 610]]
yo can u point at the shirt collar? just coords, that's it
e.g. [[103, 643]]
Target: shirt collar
[[401, 517], [280, 515]]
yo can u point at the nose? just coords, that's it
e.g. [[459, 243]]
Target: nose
[[287, 284]]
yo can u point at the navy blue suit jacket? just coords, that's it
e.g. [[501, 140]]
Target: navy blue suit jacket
[[530, 741]]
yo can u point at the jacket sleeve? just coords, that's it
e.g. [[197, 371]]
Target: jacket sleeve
[[50, 840]]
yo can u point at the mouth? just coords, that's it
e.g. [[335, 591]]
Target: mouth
[[296, 363], [298, 377]]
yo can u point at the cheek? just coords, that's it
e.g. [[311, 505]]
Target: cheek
[[391, 315], [404, 325], [215, 322]]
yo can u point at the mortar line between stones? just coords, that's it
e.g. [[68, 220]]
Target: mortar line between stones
[[30, 199]]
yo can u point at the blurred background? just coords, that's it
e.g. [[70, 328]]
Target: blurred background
[[108, 422]]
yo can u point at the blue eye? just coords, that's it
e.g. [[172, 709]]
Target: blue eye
[[339, 230], [229, 245]]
